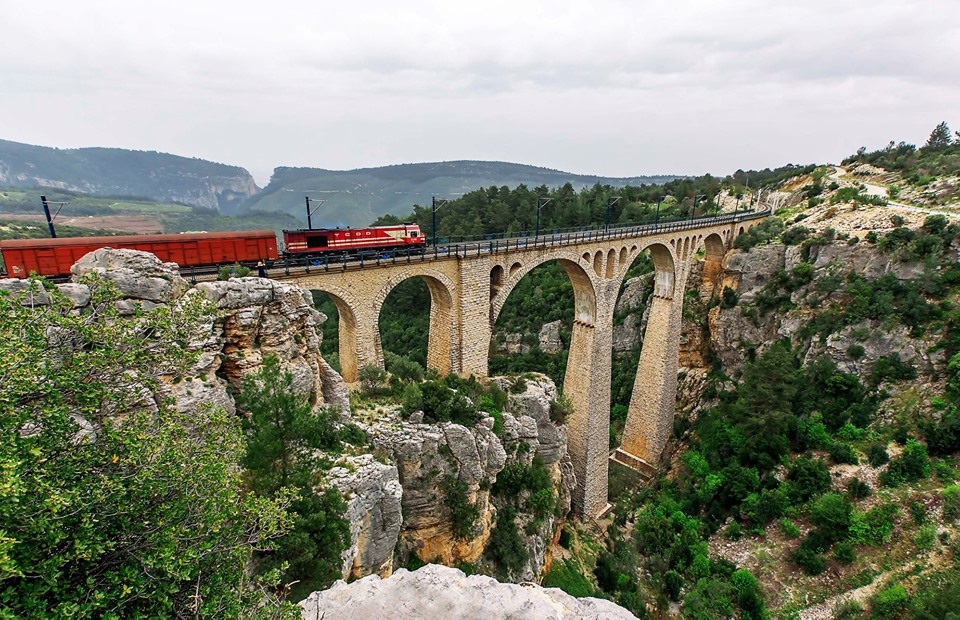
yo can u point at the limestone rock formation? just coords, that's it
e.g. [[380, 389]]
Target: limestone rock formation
[[425, 456], [434, 592], [372, 491], [550, 337], [628, 334], [258, 317], [529, 433]]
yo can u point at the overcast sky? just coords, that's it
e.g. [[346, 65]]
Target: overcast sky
[[608, 87]]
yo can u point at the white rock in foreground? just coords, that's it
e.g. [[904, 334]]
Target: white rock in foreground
[[436, 591]]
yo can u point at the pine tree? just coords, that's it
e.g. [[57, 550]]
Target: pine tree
[[285, 438], [940, 137]]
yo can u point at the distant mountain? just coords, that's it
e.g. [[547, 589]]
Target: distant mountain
[[357, 197], [122, 172]]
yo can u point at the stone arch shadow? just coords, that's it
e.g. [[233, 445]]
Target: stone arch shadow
[[443, 337]]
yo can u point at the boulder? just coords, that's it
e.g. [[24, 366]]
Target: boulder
[[436, 591]]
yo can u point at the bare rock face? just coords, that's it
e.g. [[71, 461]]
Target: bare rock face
[[550, 337], [137, 275], [425, 456], [434, 592], [372, 491], [628, 334], [263, 317], [529, 433]]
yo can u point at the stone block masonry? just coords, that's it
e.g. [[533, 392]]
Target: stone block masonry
[[467, 293]]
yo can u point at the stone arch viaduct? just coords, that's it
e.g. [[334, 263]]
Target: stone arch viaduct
[[468, 287]]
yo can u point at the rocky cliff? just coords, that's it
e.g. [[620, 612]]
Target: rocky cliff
[[397, 500], [396, 506], [121, 172], [440, 592]]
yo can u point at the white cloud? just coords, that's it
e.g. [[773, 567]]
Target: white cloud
[[610, 87]]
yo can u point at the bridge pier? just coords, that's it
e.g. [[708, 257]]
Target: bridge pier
[[650, 414], [587, 385]]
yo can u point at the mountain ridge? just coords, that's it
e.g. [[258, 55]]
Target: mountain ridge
[[359, 196], [115, 171]]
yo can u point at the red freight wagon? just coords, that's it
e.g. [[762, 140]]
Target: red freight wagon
[[54, 257], [351, 240]]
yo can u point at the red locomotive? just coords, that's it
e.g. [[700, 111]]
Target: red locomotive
[[352, 240], [54, 257]]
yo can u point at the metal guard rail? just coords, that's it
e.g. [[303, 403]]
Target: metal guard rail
[[308, 265]]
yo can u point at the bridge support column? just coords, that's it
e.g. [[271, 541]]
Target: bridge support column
[[650, 415], [587, 384], [474, 320], [369, 349]]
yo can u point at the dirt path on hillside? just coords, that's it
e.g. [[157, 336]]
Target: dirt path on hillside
[[135, 224], [876, 190]]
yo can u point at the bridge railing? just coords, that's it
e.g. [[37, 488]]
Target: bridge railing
[[497, 244]]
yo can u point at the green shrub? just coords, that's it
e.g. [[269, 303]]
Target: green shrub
[[855, 351], [858, 489], [672, 584], [918, 511], [843, 453], [789, 528], [506, 548], [560, 409], [832, 513], [728, 299], [877, 455], [463, 513], [926, 537], [808, 477], [938, 598], [564, 575], [951, 502], [844, 553], [810, 561], [889, 603], [795, 235], [873, 527], [911, 465]]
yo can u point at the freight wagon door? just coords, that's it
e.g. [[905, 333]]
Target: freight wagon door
[[46, 263], [191, 254]]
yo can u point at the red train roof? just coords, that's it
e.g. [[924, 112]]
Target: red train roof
[[106, 241]]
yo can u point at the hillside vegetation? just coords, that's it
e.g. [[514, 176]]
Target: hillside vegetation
[[110, 171], [816, 474], [357, 197]]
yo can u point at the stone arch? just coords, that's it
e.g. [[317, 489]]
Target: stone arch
[[514, 268], [584, 291], [650, 413], [740, 232], [443, 335], [496, 280], [611, 263], [348, 344], [623, 256], [598, 262]]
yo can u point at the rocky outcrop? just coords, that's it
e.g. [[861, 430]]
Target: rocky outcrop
[[550, 342], [528, 434], [440, 592], [628, 324], [426, 456], [372, 491], [257, 317]]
